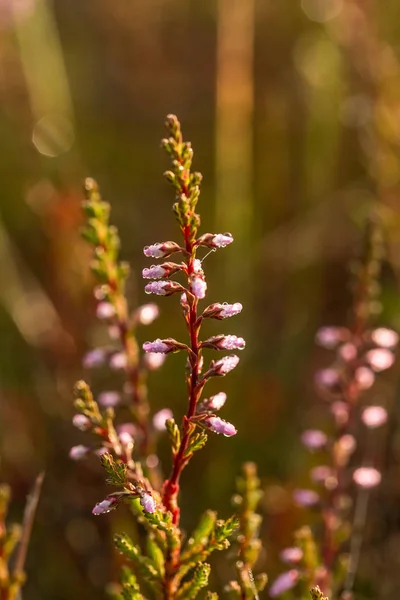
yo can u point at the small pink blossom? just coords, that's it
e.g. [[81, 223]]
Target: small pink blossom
[[374, 416], [146, 313], [305, 498], [385, 338], [198, 267], [230, 310], [285, 582], [198, 286], [340, 411], [163, 288], [367, 477], [81, 422], [114, 332], [78, 452], [225, 365], [160, 418], [126, 439], [221, 240], [109, 399], [321, 473], [153, 360], [216, 402], [380, 359], [291, 555], [105, 310], [105, 506], [147, 502], [364, 377], [218, 425], [118, 361], [129, 429], [232, 342], [314, 439], [328, 378], [156, 346], [330, 337], [94, 358], [348, 352], [160, 250], [154, 272]]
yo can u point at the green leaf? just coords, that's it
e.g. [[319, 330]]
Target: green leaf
[[116, 470], [142, 565], [204, 529], [155, 554], [316, 594], [197, 442], [190, 589], [174, 435]]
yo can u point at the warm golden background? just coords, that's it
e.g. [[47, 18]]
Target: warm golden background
[[293, 108]]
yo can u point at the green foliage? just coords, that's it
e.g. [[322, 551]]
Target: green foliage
[[316, 594], [199, 580], [174, 435], [116, 470], [197, 442], [142, 565]]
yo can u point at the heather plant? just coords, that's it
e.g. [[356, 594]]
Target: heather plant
[[169, 564], [14, 541], [348, 468]]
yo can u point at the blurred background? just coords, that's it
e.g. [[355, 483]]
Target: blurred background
[[293, 109]]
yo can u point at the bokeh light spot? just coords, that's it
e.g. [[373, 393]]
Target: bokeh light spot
[[322, 10], [53, 135]]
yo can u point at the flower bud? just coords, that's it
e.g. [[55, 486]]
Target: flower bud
[[78, 452], [218, 425], [380, 359], [224, 342], [314, 439], [81, 422], [161, 271], [222, 366], [284, 582], [305, 498], [105, 310], [222, 311], [374, 416], [94, 358], [160, 418], [118, 361], [106, 505], [212, 240], [385, 338], [161, 250], [164, 346], [109, 399], [198, 286], [291, 555], [163, 288], [147, 502], [330, 337]]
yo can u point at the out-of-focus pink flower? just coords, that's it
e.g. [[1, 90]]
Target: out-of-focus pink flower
[[156, 346], [374, 416], [380, 359], [147, 502], [348, 352], [94, 358], [385, 338], [81, 422], [291, 555], [153, 361], [224, 365], [216, 402], [340, 411], [314, 439], [327, 378], [78, 452], [160, 418], [146, 314], [126, 439], [367, 477], [330, 337], [321, 473], [222, 239], [305, 497], [118, 361], [218, 425], [109, 399], [285, 582], [364, 377], [105, 310]]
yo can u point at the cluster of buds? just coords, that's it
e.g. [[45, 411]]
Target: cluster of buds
[[361, 353]]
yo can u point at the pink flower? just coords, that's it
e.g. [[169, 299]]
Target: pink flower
[[78, 452], [216, 402], [364, 377], [224, 342], [340, 411], [81, 422], [156, 346], [198, 286], [94, 358], [380, 359], [224, 365], [105, 506], [314, 439], [161, 250], [118, 361], [305, 498], [146, 314], [374, 416], [330, 337], [291, 555], [328, 378], [153, 360], [222, 311], [105, 310], [348, 352], [321, 473], [385, 338], [154, 272], [218, 425], [126, 439], [367, 477], [221, 240], [160, 418], [163, 288], [147, 502], [285, 582], [108, 399]]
